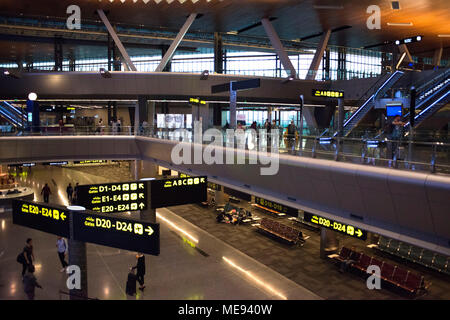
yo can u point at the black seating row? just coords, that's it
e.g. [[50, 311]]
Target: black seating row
[[415, 254], [395, 275], [282, 231]]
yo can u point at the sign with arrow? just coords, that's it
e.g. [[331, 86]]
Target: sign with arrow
[[113, 197], [52, 219], [117, 232], [340, 227]]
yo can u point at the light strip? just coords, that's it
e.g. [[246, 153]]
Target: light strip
[[400, 60], [173, 225], [405, 24], [444, 35], [63, 199], [257, 280]]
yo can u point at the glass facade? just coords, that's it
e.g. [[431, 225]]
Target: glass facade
[[338, 63]]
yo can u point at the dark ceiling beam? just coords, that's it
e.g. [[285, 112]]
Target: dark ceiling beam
[[255, 25], [345, 27], [81, 42]]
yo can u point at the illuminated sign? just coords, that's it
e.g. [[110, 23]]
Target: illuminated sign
[[328, 93], [183, 175], [276, 207], [346, 229], [42, 217], [90, 161], [57, 163], [196, 101], [127, 234], [113, 197], [178, 191], [214, 186]]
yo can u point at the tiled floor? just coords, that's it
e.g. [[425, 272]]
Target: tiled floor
[[179, 272]]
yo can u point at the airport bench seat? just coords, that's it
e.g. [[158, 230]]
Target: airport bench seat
[[394, 275], [282, 231]]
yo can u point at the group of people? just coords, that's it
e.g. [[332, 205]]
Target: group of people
[[233, 217], [30, 283], [71, 193]]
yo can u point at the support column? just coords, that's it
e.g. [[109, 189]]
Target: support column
[[218, 53], [151, 116], [219, 197], [279, 49], [168, 66], [116, 39], [437, 56], [77, 257], [341, 114], [148, 215], [137, 119], [315, 63], [233, 107], [403, 48], [329, 243], [58, 54], [171, 51]]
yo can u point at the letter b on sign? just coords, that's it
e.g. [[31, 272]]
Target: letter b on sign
[[74, 279], [74, 20]]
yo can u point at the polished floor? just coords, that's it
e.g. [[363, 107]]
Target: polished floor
[[193, 263]]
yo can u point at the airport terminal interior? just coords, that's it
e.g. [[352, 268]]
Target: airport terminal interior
[[224, 150]]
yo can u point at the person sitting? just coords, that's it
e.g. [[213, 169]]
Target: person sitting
[[220, 217]]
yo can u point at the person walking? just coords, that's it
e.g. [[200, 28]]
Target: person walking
[[69, 191], [75, 194], [30, 283], [46, 192], [28, 255], [291, 135], [62, 250], [140, 268]]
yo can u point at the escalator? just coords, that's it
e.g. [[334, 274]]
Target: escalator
[[369, 103], [431, 97], [12, 114]]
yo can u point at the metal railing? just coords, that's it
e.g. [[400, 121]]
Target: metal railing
[[427, 151]]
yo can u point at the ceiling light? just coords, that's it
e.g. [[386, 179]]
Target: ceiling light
[[444, 35], [32, 96], [400, 24]]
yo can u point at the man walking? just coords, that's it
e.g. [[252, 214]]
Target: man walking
[[46, 192], [69, 191], [62, 249], [30, 283], [140, 266]]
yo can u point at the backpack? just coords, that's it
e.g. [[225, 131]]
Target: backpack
[[21, 258]]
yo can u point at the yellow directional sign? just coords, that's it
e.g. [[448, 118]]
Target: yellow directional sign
[[340, 227], [328, 93], [40, 216]]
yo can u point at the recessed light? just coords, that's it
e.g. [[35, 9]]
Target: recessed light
[[400, 24]]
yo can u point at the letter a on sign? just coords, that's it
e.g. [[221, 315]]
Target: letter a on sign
[[74, 280], [374, 280], [74, 20], [374, 20]]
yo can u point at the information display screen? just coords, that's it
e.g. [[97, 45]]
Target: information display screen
[[328, 93], [178, 191], [117, 232], [276, 207], [392, 111], [41, 217], [113, 197], [343, 228]]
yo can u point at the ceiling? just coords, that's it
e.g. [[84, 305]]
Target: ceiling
[[294, 19]]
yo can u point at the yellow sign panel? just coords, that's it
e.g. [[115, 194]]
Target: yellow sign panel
[[45, 212], [328, 93], [183, 182], [336, 226]]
